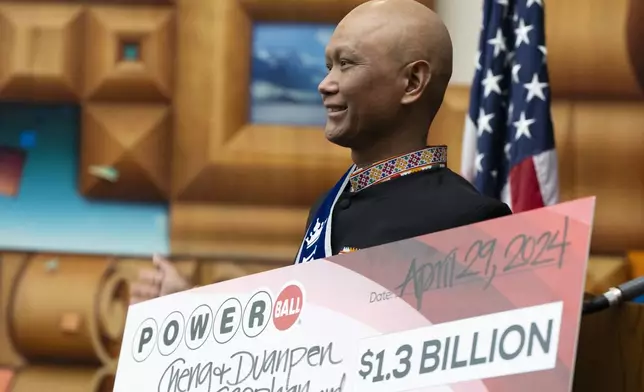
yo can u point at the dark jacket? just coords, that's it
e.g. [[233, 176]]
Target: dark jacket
[[407, 207]]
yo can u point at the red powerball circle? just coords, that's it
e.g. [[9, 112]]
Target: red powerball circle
[[288, 307]]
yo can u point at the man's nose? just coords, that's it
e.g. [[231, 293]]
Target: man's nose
[[328, 85]]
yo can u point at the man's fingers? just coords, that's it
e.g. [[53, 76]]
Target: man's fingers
[[151, 276], [144, 291], [136, 299], [162, 264]]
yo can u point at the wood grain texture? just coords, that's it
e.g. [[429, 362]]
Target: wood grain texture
[[107, 76], [54, 378], [635, 40], [250, 233], [10, 266], [133, 138], [635, 260], [594, 48], [65, 306], [605, 272], [41, 52], [607, 140], [610, 355]]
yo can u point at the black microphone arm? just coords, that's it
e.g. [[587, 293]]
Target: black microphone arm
[[615, 296]]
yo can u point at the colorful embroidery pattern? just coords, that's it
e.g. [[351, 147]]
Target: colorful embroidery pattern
[[425, 159]]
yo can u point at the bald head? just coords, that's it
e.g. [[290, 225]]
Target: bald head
[[389, 65], [406, 31]]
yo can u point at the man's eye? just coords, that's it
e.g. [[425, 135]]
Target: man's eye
[[343, 63]]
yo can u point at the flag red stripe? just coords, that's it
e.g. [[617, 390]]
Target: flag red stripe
[[524, 187]]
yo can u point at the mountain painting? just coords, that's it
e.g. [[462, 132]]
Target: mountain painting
[[288, 65]]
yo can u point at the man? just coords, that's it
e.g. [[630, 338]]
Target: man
[[389, 64]]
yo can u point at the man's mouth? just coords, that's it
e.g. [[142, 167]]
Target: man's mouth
[[335, 109]]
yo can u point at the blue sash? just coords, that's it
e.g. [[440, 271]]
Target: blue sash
[[317, 241]]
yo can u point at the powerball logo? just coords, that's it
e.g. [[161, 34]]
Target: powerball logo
[[219, 323], [288, 306]]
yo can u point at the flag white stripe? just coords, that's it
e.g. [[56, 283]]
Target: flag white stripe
[[468, 152], [545, 165]]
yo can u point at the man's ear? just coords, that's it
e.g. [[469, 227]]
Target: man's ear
[[418, 76]]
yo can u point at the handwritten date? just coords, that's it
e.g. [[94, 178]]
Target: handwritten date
[[485, 259]]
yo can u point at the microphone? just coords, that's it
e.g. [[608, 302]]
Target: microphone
[[615, 296]]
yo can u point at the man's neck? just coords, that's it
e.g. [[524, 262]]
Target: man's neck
[[381, 151]]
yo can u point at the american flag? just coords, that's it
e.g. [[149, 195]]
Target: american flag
[[508, 144]]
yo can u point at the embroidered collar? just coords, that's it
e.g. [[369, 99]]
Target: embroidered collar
[[413, 162]]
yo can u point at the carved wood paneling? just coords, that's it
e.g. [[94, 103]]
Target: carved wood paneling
[[10, 266], [69, 307], [610, 355], [41, 52], [251, 232], [135, 140], [107, 76]]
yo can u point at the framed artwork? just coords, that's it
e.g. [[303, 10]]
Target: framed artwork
[[287, 66]]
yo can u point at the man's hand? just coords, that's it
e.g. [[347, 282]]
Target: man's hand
[[153, 283]]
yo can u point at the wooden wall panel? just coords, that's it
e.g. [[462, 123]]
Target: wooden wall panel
[[636, 262], [147, 78], [10, 266], [68, 307], [609, 163], [41, 52], [54, 378], [127, 103], [134, 139], [75, 52], [229, 231], [594, 48], [605, 272]]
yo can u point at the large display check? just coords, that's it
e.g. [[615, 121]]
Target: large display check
[[494, 306]]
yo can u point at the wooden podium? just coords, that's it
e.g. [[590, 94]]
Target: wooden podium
[[610, 355]]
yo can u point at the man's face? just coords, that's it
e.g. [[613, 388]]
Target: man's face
[[362, 90]]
